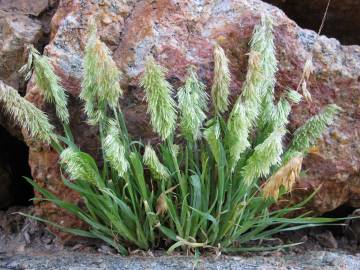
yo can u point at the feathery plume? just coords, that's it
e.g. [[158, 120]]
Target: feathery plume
[[251, 93], [268, 110], [294, 96], [192, 106], [49, 83], [269, 56], [244, 112], [78, 167], [161, 105], [100, 87], [258, 88], [283, 109], [220, 88], [263, 43], [305, 91], [260, 78], [237, 134], [284, 176], [307, 134], [157, 169], [26, 114], [114, 149], [308, 70], [265, 155], [277, 115], [26, 69], [212, 136]]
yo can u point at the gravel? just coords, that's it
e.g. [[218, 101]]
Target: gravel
[[69, 260]]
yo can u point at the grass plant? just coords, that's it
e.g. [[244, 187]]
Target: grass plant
[[215, 189]]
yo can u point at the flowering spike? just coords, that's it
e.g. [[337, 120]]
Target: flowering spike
[[277, 115], [100, 87], [157, 169], [294, 96], [161, 105], [221, 84], [114, 149], [257, 89], [192, 105], [49, 83], [78, 167], [306, 135], [212, 135], [26, 114], [284, 176], [260, 78], [237, 134], [265, 155]]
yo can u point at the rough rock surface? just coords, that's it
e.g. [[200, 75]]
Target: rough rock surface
[[179, 33], [22, 22], [34, 8], [70, 260], [17, 30]]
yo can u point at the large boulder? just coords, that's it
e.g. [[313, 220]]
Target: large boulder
[[180, 33]]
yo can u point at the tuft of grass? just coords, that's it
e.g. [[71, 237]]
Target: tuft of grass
[[213, 191]]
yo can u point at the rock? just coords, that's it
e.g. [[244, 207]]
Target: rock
[[34, 8], [10, 221], [75, 260], [17, 31], [22, 22], [180, 33], [327, 239], [352, 228]]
